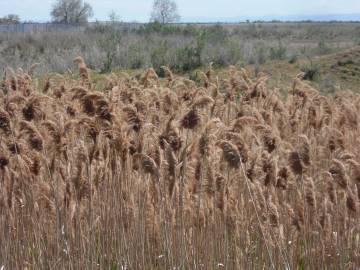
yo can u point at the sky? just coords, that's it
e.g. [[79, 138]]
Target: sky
[[195, 10]]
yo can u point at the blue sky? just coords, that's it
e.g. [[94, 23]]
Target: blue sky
[[139, 10]]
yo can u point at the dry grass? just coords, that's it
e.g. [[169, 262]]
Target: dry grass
[[337, 71], [167, 174]]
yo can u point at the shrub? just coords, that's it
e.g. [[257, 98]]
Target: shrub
[[214, 34], [159, 57], [345, 62], [293, 59], [278, 53], [190, 30], [159, 28], [323, 48], [251, 31], [233, 52], [261, 55], [311, 72], [136, 56], [98, 28], [188, 58], [109, 43]]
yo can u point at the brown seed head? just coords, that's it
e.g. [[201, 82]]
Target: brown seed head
[[295, 163], [230, 152], [338, 172], [190, 120]]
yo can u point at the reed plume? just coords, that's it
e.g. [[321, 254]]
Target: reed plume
[[230, 153], [174, 173], [83, 70]]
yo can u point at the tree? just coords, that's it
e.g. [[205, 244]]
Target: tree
[[71, 11], [164, 11], [11, 18]]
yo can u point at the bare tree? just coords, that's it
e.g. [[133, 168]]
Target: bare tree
[[114, 17], [165, 11], [71, 11]]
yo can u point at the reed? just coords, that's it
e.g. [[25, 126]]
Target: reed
[[167, 173]]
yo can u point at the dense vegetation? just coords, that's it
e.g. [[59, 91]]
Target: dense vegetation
[[169, 173], [181, 47]]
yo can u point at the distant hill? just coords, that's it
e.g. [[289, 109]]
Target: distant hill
[[314, 17]]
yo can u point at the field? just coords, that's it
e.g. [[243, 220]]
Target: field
[[120, 171], [183, 48], [332, 72]]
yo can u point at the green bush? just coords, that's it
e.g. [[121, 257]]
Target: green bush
[[345, 62], [251, 31], [261, 55], [164, 29], [135, 57], [235, 52], [311, 72], [188, 58], [190, 30], [323, 48], [159, 57], [109, 43], [278, 53], [214, 34], [293, 59]]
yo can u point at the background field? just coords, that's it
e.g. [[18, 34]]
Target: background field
[[183, 48], [281, 50]]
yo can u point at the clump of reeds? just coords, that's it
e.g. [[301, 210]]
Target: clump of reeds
[[171, 173]]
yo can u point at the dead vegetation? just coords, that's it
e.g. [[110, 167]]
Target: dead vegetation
[[171, 174]]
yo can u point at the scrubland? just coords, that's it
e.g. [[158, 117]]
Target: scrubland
[[183, 48]]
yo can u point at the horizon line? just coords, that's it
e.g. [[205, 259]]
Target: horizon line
[[200, 22], [329, 17]]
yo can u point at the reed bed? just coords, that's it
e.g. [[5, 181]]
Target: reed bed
[[168, 173]]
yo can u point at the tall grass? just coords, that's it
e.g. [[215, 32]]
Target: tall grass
[[168, 173]]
